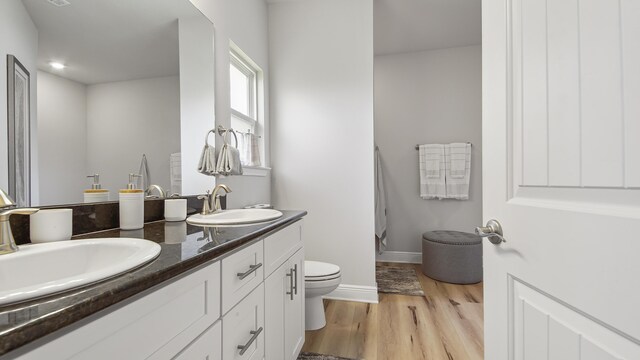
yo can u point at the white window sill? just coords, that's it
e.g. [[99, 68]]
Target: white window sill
[[255, 171]]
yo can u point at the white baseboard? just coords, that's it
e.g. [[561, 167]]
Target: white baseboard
[[367, 294], [400, 257]]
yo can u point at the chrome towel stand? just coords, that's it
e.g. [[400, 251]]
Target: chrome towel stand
[[418, 146]]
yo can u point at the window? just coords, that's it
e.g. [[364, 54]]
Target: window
[[246, 84], [243, 79]]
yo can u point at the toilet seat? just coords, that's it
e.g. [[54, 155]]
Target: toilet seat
[[320, 271]]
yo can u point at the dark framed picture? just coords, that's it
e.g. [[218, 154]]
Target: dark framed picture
[[19, 135]]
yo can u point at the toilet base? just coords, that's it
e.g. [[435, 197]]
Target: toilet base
[[314, 313]]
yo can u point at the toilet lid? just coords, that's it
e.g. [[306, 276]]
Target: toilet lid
[[316, 270]]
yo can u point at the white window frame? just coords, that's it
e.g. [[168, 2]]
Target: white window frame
[[252, 90]]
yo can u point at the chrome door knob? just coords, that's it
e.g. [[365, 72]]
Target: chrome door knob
[[493, 231]]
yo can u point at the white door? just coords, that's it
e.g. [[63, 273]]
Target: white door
[[561, 172]]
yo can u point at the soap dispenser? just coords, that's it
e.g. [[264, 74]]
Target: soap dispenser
[[131, 206], [96, 193]]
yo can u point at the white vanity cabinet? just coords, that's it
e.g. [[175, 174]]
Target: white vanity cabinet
[[284, 294], [247, 306]]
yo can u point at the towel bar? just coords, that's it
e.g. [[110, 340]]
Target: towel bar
[[418, 146]]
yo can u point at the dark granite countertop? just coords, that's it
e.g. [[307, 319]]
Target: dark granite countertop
[[184, 247]]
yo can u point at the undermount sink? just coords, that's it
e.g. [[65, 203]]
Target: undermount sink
[[42, 269], [235, 217]]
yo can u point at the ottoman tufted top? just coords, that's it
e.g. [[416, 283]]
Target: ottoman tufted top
[[452, 237]]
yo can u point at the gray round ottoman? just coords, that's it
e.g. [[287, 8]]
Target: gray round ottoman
[[452, 256]]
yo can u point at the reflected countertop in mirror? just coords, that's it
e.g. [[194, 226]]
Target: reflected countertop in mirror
[[184, 248]]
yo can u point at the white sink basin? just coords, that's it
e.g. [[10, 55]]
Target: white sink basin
[[42, 269], [235, 217]]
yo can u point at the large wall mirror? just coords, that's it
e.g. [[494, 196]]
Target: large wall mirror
[[116, 80]]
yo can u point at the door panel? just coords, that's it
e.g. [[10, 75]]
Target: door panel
[[561, 175]]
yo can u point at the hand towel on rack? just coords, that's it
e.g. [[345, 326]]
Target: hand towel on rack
[[380, 205], [459, 159], [458, 176], [249, 149], [207, 163], [432, 182], [229, 158]]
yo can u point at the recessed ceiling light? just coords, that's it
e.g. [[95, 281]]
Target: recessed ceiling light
[[59, 2], [57, 65]]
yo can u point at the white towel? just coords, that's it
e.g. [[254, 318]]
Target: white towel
[[432, 182], [145, 175], [207, 163], [228, 159], [249, 150], [175, 172], [458, 170], [380, 205]]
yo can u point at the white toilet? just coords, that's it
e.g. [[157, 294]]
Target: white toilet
[[319, 279]]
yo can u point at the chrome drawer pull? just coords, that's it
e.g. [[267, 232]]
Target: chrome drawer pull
[[291, 286], [252, 268], [295, 271], [254, 336]]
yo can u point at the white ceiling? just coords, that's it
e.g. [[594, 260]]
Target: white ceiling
[[109, 40], [416, 25]]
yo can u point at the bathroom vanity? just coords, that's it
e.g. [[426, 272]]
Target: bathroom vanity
[[229, 292]]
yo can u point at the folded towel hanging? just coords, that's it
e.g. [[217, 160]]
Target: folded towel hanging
[[458, 171], [432, 172], [229, 157], [145, 175], [249, 149], [207, 163], [380, 204]]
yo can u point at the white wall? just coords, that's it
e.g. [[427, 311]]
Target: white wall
[[62, 139], [427, 97], [18, 37], [127, 119], [322, 127], [245, 23], [197, 94]]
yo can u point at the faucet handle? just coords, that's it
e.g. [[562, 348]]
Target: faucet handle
[[206, 208]]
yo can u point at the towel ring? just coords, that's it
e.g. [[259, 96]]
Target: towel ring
[[226, 133], [222, 132]]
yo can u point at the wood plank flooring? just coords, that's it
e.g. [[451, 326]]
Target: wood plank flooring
[[446, 323]]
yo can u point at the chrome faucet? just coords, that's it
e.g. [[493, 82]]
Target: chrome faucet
[[7, 208], [161, 193], [216, 198]]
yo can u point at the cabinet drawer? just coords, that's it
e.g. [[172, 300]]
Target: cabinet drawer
[[241, 273], [206, 346], [280, 246], [157, 326], [243, 326]]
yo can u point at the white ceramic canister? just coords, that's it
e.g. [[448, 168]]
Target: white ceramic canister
[[175, 209], [51, 225], [131, 209]]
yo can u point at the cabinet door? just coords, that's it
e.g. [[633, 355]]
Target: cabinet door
[[294, 312], [284, 320], [206, 347], [277, 288], [243, 328]]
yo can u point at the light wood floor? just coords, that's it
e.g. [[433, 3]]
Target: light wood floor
[[446, 323]]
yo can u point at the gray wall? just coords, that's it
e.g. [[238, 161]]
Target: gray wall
[[427, 97], [127, 119], [62, 139]]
